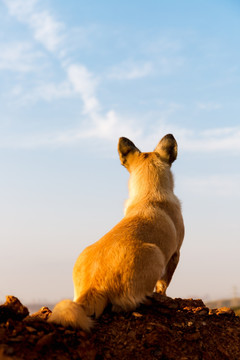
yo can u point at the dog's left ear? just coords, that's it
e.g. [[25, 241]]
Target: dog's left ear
[[127, 151], [167, 148]]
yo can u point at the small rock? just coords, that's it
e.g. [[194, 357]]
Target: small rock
[[30, 329], [12, 309], [132, 334], [43, 313], [191, 337], [5, 351], [149, 328], [82, 333], [46, 340], [224, 311], [19, 338], [212, 312], [136, 314], [204, 311]]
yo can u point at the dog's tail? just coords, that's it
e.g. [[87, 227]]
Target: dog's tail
[[70, 313]]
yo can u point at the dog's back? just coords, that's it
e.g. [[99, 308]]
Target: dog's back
[[142, 251]]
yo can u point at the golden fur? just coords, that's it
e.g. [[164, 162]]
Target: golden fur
[[141, 252]]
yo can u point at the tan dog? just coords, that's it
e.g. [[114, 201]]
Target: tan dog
[[141, 252]]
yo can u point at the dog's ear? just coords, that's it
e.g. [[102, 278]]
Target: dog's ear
[[126, 150], [167, 148]]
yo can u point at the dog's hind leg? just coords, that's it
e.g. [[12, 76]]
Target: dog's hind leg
[[93, 302], [163, 283], [148, 268]]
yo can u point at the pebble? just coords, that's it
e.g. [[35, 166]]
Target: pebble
[[136, 314], [31, 329], [203, 312], [194, 336], [132, 334], [45, 341], [224, 311]]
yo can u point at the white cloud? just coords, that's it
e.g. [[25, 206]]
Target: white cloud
[[110, 126], [220, 139], [130, 71], [225, 131], [167, 52], [43, 91], [84, 83], [209, 106], [19, 57], [50, 34], [166, 65], [107, 126], [79, 81], [220, 185], [20, 8], [45, 28], [223, 139]]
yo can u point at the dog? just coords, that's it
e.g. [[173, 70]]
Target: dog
[[141, 252]]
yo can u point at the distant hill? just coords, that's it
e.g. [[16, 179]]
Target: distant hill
[[34, 307], [233, 303]]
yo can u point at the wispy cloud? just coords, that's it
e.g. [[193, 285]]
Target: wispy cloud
[[50, 33], [105, 127], [166, 52], [209, 106], [220, 185], [20, 8], [79, 80], [219, 139], [131, 71], [47, 91], [110, 125], [46, 29], [84, 84], [207, 141], [18, 57]]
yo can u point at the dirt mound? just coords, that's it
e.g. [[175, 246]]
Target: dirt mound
[[164, 329]]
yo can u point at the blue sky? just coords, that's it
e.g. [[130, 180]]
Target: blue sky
[[77, 75]]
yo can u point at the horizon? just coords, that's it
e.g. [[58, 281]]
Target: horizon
[[77, 76]]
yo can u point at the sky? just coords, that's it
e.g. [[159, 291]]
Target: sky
[[77, 75]]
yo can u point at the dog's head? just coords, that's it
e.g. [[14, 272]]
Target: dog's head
[[131, 156]]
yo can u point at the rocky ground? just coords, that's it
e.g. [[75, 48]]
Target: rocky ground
[[164, 329]]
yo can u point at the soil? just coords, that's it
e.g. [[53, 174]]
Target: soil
[[164, 329]]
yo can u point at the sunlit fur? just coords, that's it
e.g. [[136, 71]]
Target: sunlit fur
[[141, 252]]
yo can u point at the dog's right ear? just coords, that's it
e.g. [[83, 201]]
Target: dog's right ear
[[167, 148], [126, 150]]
